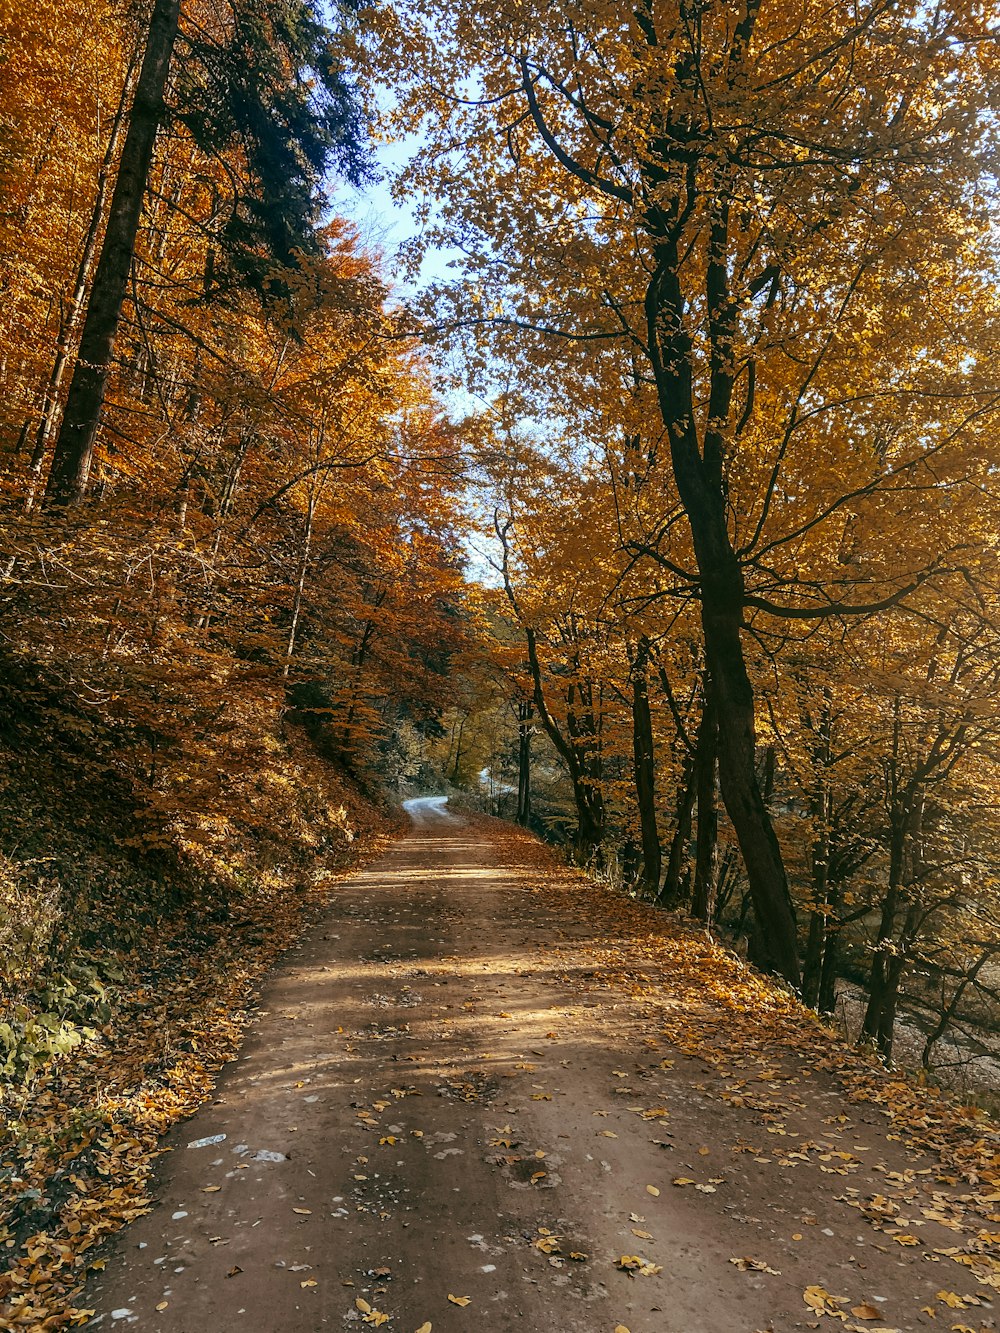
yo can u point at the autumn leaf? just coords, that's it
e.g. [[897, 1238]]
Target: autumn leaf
[[820, 1300], [635, 1263], [748, 1265], [459, 1300]]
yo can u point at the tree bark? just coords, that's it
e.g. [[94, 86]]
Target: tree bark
[[300, 578], [525, 710], [820, 858], [645, 774], [74, 449], [458, 749], [827, 998], [675, 890], [701, 487], [722, 618], [707, 838], [71, 318], [580, 750], [880, 982]]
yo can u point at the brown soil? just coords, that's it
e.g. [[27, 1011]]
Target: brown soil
[[434, 1103]]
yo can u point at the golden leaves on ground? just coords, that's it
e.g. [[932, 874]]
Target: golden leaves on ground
[[747, 1265], [369, 1315], [635, 1263], [823, 1304], [112, 1105]]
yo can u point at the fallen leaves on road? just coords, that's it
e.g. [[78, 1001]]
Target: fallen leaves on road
[[740, 1026], [635, 1263], [747, 1265], [84, 1144], [369, 1315]]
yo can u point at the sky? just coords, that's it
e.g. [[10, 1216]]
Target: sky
[[384, 223]]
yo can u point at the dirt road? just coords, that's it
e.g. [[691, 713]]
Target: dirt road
[[442, 1115]]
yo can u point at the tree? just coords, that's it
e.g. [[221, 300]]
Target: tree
[[246, 92], [74, 448], [713, 202]]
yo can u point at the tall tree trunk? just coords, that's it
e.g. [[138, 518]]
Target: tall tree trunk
[[698, 468], [74, 449], [722, 617], [525, 711], [645, 773], [588, 845], [822, 924], [820, 858], [707, 838], [812, 963], [458, 749], [890, 1000], [827, 998], [300, 577], [675, 889], [358, 658], [70, 322], [582, 756], [880, 996]]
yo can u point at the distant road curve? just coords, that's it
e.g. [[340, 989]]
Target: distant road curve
[[429, 810]]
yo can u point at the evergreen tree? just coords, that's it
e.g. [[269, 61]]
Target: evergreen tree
[[263, 79]]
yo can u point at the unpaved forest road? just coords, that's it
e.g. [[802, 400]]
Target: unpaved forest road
[[426, 1087]]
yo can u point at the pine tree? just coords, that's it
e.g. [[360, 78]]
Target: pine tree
[[266, 84]]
